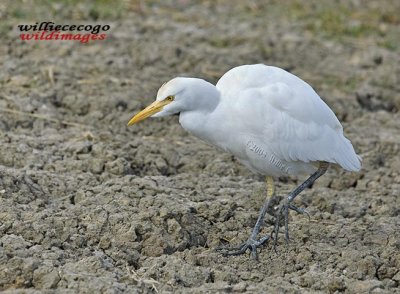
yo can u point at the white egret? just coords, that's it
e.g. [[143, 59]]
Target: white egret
[[269, 119]]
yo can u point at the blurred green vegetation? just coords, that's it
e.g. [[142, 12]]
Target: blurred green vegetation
[[67, 9], [335, 20]]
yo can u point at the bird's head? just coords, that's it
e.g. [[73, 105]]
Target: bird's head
[[175, 96]]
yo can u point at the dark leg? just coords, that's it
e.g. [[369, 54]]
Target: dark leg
[[252, 243], [284, 208]]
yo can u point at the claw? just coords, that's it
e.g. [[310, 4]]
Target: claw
[[286, 205], [250, 244], [284, 210], [300, 210]]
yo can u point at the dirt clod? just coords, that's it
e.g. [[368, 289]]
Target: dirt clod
[[89, 205]]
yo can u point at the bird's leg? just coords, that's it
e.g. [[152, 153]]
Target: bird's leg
[[264, 208], [252, 243], [284, 208]]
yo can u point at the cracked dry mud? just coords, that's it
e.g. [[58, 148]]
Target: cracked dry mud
[[89, 205]]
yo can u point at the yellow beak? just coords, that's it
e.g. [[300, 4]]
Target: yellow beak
[[153, 108]]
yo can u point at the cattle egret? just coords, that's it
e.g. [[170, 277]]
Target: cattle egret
[[270, 120]]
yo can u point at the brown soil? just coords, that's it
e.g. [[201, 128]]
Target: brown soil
[[90, 205]]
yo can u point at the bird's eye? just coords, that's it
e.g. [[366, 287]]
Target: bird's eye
[[170, 98]]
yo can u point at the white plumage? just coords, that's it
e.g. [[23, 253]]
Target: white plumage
[[286, 118], [269, 119]]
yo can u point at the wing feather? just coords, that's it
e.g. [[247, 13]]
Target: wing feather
[[288, 116]]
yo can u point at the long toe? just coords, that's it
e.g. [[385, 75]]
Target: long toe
[[299, 210], [234, 250], [228, 249], [283, 212], [251, 244]]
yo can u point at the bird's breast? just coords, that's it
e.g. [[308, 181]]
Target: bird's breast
[[264, 160], [251, 150], [260, 158]]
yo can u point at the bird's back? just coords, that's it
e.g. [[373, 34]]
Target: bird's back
[[282, 121]]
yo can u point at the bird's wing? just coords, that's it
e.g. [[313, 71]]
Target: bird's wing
[[287, 115]]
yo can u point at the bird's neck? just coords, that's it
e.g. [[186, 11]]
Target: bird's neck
[[206, 99], [204, 96]]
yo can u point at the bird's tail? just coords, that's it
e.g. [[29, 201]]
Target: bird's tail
[[346, 156]]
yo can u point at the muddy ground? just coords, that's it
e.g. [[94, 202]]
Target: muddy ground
[[89, 205]]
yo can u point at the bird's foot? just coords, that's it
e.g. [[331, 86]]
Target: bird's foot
[[251, 244], [283, 211]]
